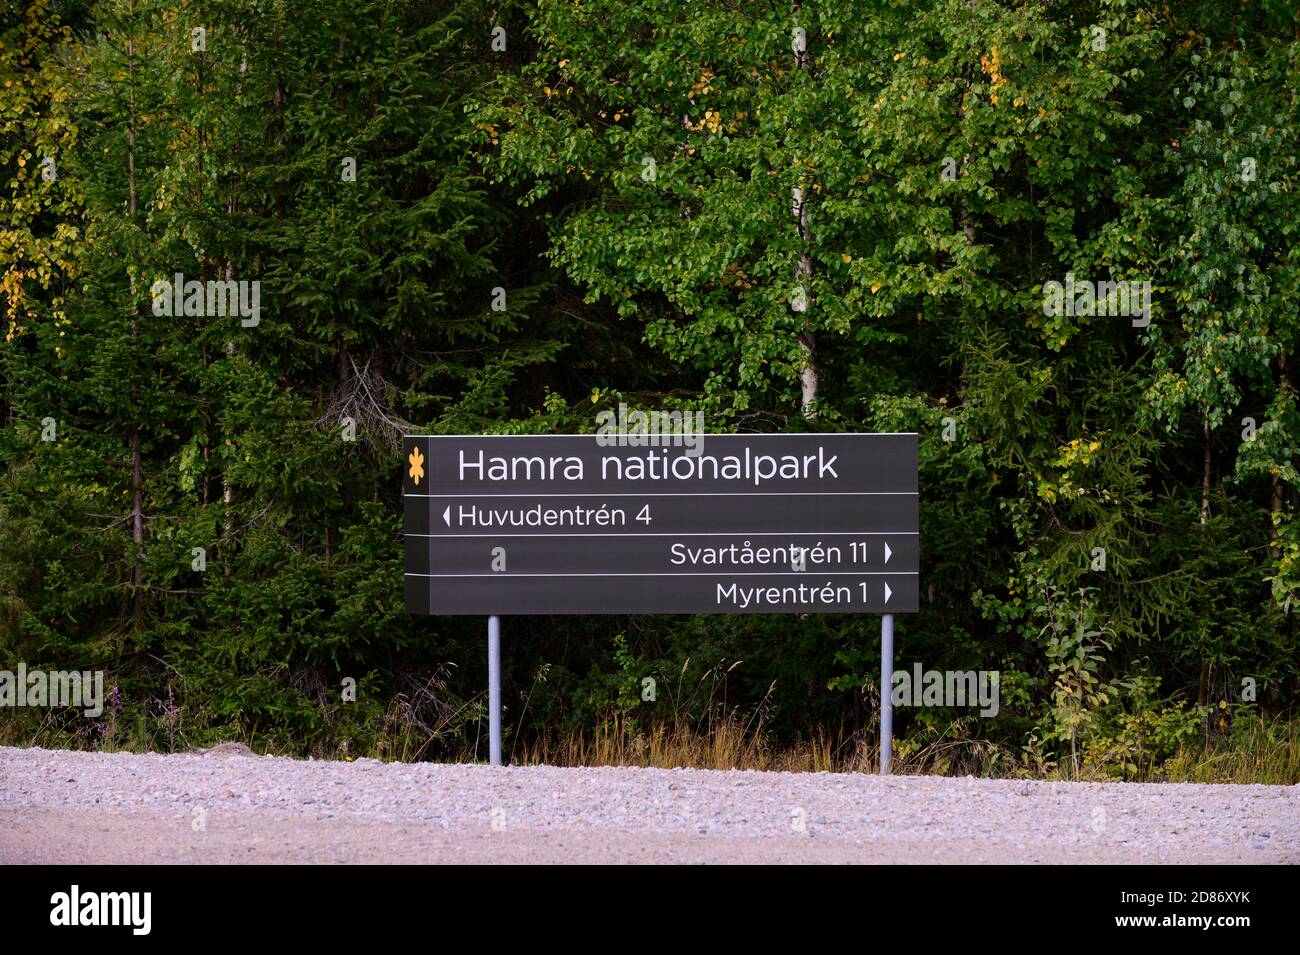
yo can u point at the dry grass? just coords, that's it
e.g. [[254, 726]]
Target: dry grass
[[720, 738], [732, 741], [725, 743], [1262, 752]]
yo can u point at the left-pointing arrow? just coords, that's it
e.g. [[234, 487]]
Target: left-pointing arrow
[[446, 516]]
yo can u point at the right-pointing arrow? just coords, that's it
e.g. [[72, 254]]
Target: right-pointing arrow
[[888, 553], [888, 593], [446, 516]]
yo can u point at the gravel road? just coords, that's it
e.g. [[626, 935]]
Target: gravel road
[[93, 808]]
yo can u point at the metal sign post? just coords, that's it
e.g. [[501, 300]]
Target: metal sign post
[[886, 692], [494, 691]]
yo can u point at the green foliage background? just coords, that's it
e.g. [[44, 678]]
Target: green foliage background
[[1105, 138]]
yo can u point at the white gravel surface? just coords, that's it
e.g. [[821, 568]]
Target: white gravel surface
[[59, 806]]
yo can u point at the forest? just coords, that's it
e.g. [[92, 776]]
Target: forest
[[1057, 239]]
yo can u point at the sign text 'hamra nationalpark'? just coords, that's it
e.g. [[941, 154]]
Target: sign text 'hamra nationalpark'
[[731, 523]]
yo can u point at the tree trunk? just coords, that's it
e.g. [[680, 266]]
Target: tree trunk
[[227, 490], [1203, 688], [1207, 467], [808, 382], [807, 339], [137, 467]]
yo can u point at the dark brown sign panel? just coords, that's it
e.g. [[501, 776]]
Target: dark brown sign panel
[[784, 523]]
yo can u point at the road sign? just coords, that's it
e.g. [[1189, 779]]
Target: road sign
[[549, 524]]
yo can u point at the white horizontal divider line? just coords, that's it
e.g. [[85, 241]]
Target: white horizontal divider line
[[695, 534], [681, 494], [723, 573]]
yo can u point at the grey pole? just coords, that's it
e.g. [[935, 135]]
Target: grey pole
[[886, 692], [494, 691]]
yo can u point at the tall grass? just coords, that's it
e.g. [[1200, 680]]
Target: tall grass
[[727, 741], [1257, 751], [1266, 751]]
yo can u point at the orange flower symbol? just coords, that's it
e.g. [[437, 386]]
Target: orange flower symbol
[[417, 465]]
